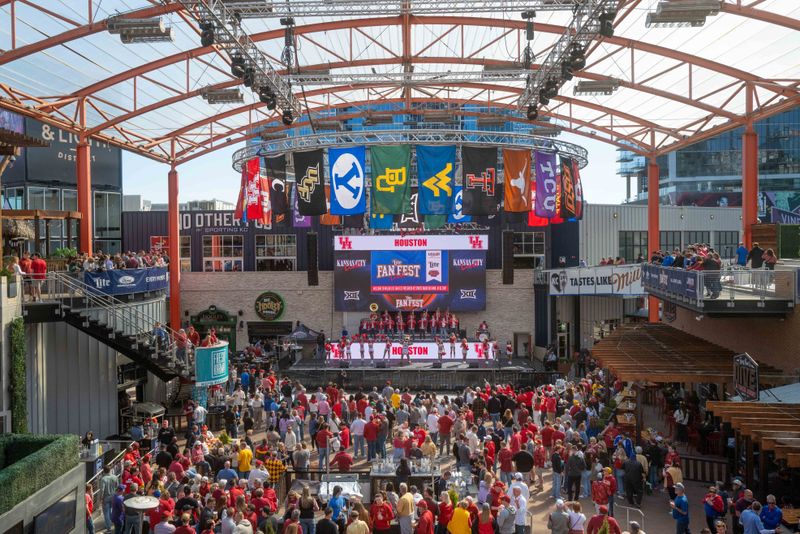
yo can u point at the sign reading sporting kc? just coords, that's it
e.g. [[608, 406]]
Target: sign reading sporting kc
[[269, 306]]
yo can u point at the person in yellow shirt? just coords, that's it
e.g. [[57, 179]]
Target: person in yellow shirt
[[460, 523], [405, 509], [429, 448], [356, 526], [396, 399], [245, 460]]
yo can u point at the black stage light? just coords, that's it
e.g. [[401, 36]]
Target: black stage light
[[607, 23], [287, 119], [533, 112], [249, 77], [237, 65], [566, 71], [577, 60], [543, 99], [206, 33], [529, 30]]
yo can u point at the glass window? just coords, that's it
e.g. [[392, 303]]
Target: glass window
[[696, 237], [13, 198], [276, 252], [107, 214], [528, 250], [186, 253], [726, 243], [632, 244], [222, 253], [69, 202], [670, 240]]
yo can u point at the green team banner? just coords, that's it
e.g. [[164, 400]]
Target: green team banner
[[211, 364], [391, 178]]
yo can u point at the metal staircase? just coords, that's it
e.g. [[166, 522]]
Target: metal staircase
[[115, 323]]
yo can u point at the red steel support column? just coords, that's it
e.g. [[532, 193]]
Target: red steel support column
[[84, 172], [652, 226], [174, 251], [749, 174]]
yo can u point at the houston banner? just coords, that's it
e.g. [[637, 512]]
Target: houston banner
[[309, 175], [517, 180], [390, 178], [568, 209], [275, 169], [480, 180], [347, 175], [436, 169], [546, 183]]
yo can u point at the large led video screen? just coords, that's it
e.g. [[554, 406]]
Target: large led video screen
[[374, 273]]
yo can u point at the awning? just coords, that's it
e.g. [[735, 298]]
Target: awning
[[659, 353]]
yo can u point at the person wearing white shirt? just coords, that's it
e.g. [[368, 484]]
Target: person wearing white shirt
[[290, 439], [521, 504], [258, 473], [357, 432], [200, 415], [523, 487], [472, 441], [433, 425]]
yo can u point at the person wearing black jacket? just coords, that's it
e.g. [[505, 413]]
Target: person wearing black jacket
[[755, 256], [633, 480], [558, 472], [574, 468], [494, 407], [326, 525], [163, 458]]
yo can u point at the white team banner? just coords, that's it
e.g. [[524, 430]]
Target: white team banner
[[419, 242], [417, 351], [621, 280]]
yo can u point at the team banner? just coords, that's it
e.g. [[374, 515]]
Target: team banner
[[533, 219], [309, 175], [390, 167], [275, 170], [436, 168], [326, 218], [480, 180], [348, 167], [676, 281], [423, 242], [576, 178], [568, 199], [411, 218], [253, 203], [625, 280], [298, 219], [211, 365], [546, 184], [433, 222], [517, 180], [420, 351], [457, 212], [127, 281]]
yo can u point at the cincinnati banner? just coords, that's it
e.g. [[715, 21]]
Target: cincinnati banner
[[457, 211], [480, 180], [546, 184], [436, 169], [309, 172], [347, 180], [275, 170], [517, 180], [390, 167], [568, 200]]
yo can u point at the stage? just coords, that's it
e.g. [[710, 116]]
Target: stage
[[421, 374]]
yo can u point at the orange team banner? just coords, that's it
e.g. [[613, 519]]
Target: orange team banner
[[517, 180], [327, 219]]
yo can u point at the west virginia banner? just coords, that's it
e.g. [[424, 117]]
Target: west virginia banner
[[348, 167], [390, 178], [480, 180], [457, 212], [275, 169], [309, 175], [517, 180], [436, 169], [568, 209], [546, 184]]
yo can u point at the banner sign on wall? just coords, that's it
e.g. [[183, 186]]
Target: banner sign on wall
[[421, 242], [211, 365], [568, 198], [517, 180], [480, 195], [348, 171], [676, 281], [457, 214], [416, 351], [745, 377], [309, 171], [275, 169], [436, 168], [546, 184], [780, 216], [624, 280], [391, 178], [126, 281]]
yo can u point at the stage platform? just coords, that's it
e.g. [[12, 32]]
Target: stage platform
[[452, 376]]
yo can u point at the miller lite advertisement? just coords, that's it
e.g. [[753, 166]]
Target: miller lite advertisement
[[414, 273]]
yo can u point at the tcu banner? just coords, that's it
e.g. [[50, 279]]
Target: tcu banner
[[126, 281], [421, 242], [622, 280], [416, 352], [546, 184]]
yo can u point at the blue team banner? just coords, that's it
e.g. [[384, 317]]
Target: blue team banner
[[418, 271], [457, 210], [211, 365], [348, 168], [436, 170], [127, 281], [676, 281]]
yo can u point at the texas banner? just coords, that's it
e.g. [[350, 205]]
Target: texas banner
[[390, 178], [275, 169], [436, 169], [457, 212], [568, 201], [309, 175], [517, 179], [480, 180], [347, 172], [546, 183]]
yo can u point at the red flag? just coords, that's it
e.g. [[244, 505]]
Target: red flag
[[265, 201], [557, 219], [533, 219], [249, 205], [578, 190]]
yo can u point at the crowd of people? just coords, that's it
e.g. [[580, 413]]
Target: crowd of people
[[702, 257], [100, 261]]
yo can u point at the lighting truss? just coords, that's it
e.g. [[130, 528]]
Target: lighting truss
[[596, 87], [230, 36], [682, 13], [353, 8], [409, 78], [275, 147], [140, 30], [223, 96], [497, 120], [547, 131], [582, 30]]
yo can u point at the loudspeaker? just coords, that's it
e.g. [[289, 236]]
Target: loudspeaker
[[437, 365], [473, 365], [508, 257], [311, 250], [380, 364], [344, 365]]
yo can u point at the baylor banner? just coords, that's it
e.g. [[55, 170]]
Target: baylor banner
[[211, 365], [390, 178], [436, 168], [309, 175], [480, 195]]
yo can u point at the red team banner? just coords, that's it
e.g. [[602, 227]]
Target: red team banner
[[420, 351], [253, 203]]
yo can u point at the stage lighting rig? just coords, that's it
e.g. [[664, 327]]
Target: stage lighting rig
[[672, 13], [222, 96], [140, 30], [596, 87], [288, 117], [206, 33], [533, 112]]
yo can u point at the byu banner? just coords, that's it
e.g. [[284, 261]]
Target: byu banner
[[126, 281], [347, 193], [211, 365], [436, 167], [546, 184]]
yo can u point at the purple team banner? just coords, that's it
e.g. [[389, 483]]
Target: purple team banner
[[299, 220], [545, 167]]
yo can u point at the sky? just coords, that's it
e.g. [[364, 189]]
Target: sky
[[212, 176]]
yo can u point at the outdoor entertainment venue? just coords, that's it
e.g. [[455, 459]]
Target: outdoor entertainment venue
[[399, 266]]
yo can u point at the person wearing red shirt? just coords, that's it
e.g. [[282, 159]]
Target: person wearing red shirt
[[419, 435], [445, 426], [522, 416], [323, 437], [343, 460], [361, 405], [333, 393], [489, 451], [550, 405], [594, 525], [609, 434], [514, 443], [506, 464], [558, 435], [371, 437], [259, 501], [425, 521], [539, 460], [39, 269], [547, 436], [344, 436], [381, 515], [445, 513]]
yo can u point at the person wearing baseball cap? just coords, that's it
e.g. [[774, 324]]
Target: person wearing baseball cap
[[680, 510], [594, 525], [425, 521]]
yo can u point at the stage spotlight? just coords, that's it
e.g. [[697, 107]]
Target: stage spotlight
[[249, 77], [533, 112], [206, 33], [577, 60], [237, 65], [543, 98], [607, 23], [566, 71], [287, 118], [551, 88], [266, 96]]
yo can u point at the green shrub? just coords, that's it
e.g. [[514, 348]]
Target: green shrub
[[29, 463], [17, 385]]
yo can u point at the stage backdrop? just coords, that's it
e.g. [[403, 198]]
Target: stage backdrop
[[410, 273]]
